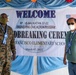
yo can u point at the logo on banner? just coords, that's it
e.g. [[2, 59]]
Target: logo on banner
[[71, 15]]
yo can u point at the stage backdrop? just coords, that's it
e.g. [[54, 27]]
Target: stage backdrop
[[38, 32]]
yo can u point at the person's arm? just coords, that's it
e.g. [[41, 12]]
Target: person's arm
[[64, 59], [13, 46]]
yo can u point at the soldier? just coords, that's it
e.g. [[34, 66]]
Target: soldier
[[7, 45]]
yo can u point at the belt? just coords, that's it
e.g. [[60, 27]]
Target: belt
[[73, 63]]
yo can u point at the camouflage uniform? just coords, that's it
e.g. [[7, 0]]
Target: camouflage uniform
[[6, 51]]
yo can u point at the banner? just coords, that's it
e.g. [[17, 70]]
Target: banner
[[38, 32]]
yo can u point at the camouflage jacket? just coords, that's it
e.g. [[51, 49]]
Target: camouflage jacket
[[7, 50]]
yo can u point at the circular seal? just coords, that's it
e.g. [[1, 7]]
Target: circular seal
[[33, 34]]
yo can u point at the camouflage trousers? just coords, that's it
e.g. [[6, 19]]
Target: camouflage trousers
[[5, 68]]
